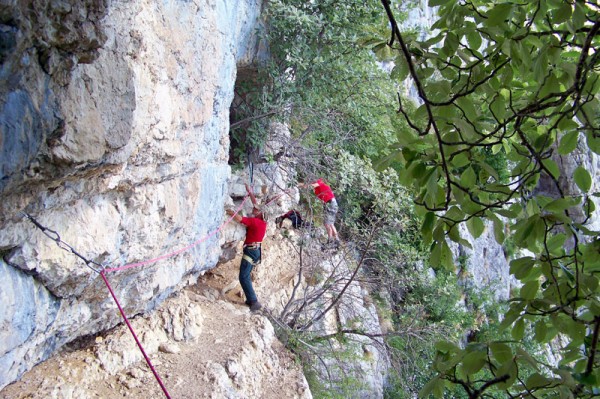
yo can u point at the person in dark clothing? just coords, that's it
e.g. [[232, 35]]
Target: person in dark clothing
[[295, 217]]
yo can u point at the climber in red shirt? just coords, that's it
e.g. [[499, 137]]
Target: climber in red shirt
[[325, 194], [256, 228]]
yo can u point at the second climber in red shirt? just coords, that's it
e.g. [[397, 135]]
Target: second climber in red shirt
[[256, 227], [325, 194]]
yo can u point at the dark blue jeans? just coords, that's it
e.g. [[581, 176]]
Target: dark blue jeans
[[245, 270]]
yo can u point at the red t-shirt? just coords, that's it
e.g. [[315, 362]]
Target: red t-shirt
[[323, 191], [255, 229]]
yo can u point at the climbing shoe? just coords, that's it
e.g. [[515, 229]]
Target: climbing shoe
[[255, 306]]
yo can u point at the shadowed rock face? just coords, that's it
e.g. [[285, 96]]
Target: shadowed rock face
[[41, 44], [113, 133]]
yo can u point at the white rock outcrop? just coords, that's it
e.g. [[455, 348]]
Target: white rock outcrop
[[114, 119]]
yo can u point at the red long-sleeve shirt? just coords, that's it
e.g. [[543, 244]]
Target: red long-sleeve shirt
[[255, 229]]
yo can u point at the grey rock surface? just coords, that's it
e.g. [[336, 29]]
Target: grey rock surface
[[114, 134]]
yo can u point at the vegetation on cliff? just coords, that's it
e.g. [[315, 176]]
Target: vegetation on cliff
[[507, 98]]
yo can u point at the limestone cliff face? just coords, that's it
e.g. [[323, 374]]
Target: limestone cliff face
[[114, 133]]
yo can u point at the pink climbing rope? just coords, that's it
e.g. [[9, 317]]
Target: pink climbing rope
[[147, 262], [137, 341], [55, 237], [169, 255]]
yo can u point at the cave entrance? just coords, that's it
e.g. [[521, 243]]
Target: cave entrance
[[247, 118]]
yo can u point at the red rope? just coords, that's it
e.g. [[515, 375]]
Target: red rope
[[147, 262], [137, 341]]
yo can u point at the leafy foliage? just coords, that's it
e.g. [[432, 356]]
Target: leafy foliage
[[519, 80], [331, 87], [509, 92]]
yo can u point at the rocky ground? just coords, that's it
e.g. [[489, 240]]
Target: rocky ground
[[203, 342]]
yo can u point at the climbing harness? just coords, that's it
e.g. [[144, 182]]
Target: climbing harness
[[248, 258]]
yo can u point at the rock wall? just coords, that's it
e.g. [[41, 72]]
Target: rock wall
[[484, 266], [114, 134], [356, 366]]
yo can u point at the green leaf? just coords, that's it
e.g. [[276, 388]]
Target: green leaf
[[406, 137], [593, 142], [382, 51], [540, 331], [447, 361], [540, 66], [466, 104], [434, 3], [556, 242], [578, 17], [582, 179], [498, 14], [551, 85], [427, 226], [589, 283], [446, 347], [525, 231], [473, 362], [530, 289], [507, 369], [562, 13], [509, 318], [451, 43], [432, 183], [435, 387], [468, 178], [518, 331], [490, 171], [460, 160], [418, 170], [435, 256], [446, 257], [507, 213], [421, 113], [574, 330], [400, 71], [474, 40], [501, 352], [498, 229], [521, 267], [475, 226], [498, 107], [586, 379], [454, 234], [561, 204], [537, 380], [567, 124], [552, 167], [568, 143]]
